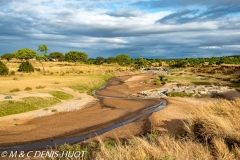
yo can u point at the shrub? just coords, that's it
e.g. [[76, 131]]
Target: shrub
[[28, 89], [37, 69], [8, 97], [179, 94], [12, 73], [15, 90], [156, 82], [26, 67], [3, 69], [40, 87]]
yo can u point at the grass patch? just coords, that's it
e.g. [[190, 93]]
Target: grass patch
[[61, 95], [41, 102], [93, 85], [14, 107], [27, 104], [179, 94]]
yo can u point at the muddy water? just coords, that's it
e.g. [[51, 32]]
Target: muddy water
[[108, 91]]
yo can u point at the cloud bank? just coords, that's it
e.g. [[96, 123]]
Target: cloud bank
[[150, 29]]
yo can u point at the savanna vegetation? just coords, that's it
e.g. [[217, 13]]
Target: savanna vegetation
[[211, 132]]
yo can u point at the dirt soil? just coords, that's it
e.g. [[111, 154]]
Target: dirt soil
[[104, 113]]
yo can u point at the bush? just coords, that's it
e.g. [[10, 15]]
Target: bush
[[28, 89], [3, 69], [26, 67], [179, 94], [12, 73], [15, 90], [156, 82]]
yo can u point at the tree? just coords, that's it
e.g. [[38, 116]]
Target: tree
[[56, 55], [25, 54], [43, 48], [76, 56], [3, 69], [7, 56], [111, 60], [40, 60], [141, 62], [123, 59], [99, 60], [90, 61], [26, 67], [159, 62]]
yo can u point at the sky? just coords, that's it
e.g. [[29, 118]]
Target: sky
[[140, 28]]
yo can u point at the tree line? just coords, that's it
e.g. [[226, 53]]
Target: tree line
[[26, 54]]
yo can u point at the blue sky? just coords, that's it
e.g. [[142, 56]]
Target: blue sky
[[150, 29]]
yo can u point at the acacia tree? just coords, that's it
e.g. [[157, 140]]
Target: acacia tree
[[76, 56], [99, 60], [42, 48], [123, 59], [25, 54], [7, 56], [56, 55]]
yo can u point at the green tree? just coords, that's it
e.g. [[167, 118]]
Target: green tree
[[43, 48], [3, 69], [76, 56], [123, 59], [111, 60], [99, 60], [26, 67], [7, 56], [25, 54], [56, 55], [90, 61], [141, 62]]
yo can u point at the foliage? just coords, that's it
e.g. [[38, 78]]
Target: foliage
[[76, 56], [141, 62], [26, 67], [123, 59], [90, 61], [56, 55], [3, 69], [25, 54], [99, 60], [43, 48], [156, 82], [111, 60], [41, 59], [7, 56]]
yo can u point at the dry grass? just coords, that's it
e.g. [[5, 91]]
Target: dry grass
[[58, 74], [213, 132]]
